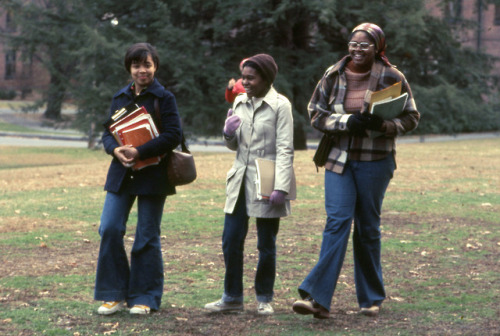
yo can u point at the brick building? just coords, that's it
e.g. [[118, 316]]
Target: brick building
[[486, 18], [27, 77]]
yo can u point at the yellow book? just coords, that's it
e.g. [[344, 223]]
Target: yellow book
[[265, 180], [389, 92], [387, 103]]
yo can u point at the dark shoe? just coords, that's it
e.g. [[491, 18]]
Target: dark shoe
[[309, 306], [322, 314], [305, 307]]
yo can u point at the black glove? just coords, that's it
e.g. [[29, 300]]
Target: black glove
[[357, 125], [374, 122]]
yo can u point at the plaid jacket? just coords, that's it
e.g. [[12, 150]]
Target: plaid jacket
[[327, 114]]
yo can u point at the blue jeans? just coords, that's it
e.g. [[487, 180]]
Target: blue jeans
[[142, 282], [356, 194], [233, 241]]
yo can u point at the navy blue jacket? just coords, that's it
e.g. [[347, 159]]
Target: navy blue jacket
[[150, 180]]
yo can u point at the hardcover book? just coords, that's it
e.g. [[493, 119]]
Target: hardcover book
[[135, 129], [127, 118], [387, 104]]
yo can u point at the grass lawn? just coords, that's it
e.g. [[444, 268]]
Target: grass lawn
[[440, 248]]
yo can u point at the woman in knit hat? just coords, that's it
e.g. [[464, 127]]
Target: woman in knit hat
[[358, 168], [259, 126]]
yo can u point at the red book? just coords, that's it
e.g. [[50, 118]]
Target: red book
[[136, 129], [138, 112], [137, 135]]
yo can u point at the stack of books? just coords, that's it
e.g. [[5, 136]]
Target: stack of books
[[134, 129], [387, 104]]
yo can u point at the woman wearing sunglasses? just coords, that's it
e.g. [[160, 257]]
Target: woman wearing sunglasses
[[357, 170]]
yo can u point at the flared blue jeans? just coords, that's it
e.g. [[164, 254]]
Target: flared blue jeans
[[142, 281], [356, 194]]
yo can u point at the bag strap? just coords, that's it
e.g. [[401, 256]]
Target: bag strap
[[184, 148]]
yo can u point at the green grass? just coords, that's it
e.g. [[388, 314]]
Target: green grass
[[11, 128], [440, 248], [6, 127], [18, 104]]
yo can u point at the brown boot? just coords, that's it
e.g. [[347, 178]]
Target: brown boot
[[309, 306], [322, 314]]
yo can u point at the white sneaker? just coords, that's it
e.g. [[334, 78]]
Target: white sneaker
[[110, 307], [264, 308], [221, 306], [140, 310]]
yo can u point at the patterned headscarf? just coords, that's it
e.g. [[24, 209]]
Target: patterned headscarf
[[377, 34]]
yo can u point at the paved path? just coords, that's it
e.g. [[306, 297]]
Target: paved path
[[41, 135], [45, 136], [33, 140], [16, 139]]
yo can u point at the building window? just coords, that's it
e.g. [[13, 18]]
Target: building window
[[10, 64], [10, 26], [496, 21], [26, 70], [453, 11]]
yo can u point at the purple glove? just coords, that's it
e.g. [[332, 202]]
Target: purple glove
[[277, 197], [232, 123]]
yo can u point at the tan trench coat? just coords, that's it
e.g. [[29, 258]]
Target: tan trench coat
[[266, 131]]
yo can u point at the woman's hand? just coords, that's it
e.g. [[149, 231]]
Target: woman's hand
[[357, 125], [230, 84], [374, 122], [232, 123], [277, 197], [127, 155]]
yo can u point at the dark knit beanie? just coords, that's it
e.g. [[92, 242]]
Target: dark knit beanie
[[267, 66]]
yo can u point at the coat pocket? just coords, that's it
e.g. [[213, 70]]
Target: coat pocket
[[230, 182], [230, 174]]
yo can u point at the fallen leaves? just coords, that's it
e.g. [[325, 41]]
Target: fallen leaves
[[113, 328], [475, 246]]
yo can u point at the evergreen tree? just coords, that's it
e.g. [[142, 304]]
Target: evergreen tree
[[45, 32], [201, 43]]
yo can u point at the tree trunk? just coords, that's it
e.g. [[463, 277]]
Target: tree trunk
[[55, 97], [91, 140], [299, 138]]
